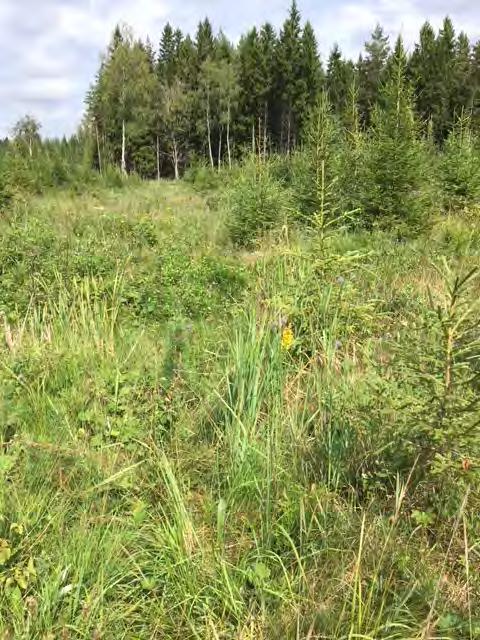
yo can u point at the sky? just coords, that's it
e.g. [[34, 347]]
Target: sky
[[50, 49]]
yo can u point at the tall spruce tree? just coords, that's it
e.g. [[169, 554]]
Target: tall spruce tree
[[339, 78], [352, 154], [267, 46], [462, 89], [371, 69], [445, 57], [291, 86], [423, 73], [186, 68], [252, 88], [475, 83], [168, 54], [204, 41], [395, 187], [311, 69]]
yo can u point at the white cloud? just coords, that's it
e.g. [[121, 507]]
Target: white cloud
[[50, 53], [49, 49], [350, 23]]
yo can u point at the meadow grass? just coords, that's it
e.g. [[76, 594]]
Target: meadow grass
[[199, 442]]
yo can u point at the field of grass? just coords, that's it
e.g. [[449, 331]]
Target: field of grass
[[201, 442]]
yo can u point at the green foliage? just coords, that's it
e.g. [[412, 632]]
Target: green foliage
[[460, 167], [440, 408], [371, 71], [6, 194], [257, 202], [204, 178], [316, 170], [226, 461], [396, 187]]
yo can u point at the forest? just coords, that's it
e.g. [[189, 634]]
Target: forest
[[240, 344]]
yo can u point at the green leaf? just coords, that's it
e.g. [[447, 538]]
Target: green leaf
[[5, 552], [423, 518], [139, 511], [262, 572]]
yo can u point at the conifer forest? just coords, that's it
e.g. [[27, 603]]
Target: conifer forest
[[240, 344]]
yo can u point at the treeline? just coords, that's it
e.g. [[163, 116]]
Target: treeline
[[32, 165], [154, 110]]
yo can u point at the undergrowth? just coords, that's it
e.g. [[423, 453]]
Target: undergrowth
[[197, 442]]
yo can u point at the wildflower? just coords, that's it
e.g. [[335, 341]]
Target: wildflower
[[466, 464], [287, 338], [340, 280]]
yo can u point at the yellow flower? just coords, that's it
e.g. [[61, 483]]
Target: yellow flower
[[287, 338]]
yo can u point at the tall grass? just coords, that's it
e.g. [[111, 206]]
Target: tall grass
[[248, 473]]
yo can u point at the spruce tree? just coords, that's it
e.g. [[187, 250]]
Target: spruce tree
[[371, 70], [186, 68], [168, 55], [291, 86], [423, 73], [252, 88], [224, 49], [311, 69], [267, 46], [446, 53], [462, 89], [204, 41], [395, 190], [475, 83], [460, 167], [339, 78], [317, 167]]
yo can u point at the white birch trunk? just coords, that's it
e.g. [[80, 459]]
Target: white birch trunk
[[175, 158], [219, 164], [228, 137], [124, 163]]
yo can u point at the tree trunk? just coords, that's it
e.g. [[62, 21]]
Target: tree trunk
[[289, 131], [228, 137], [158, 158], [209, 133], [253, 137], [175, 158], [219, 165], [98, 148], [265, 122], [259, 141], [124, 163]]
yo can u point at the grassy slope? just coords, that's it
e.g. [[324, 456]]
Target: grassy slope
[[171, 470]]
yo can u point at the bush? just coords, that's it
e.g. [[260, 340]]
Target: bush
[[203, 177], [6, 194], [257, 201]]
